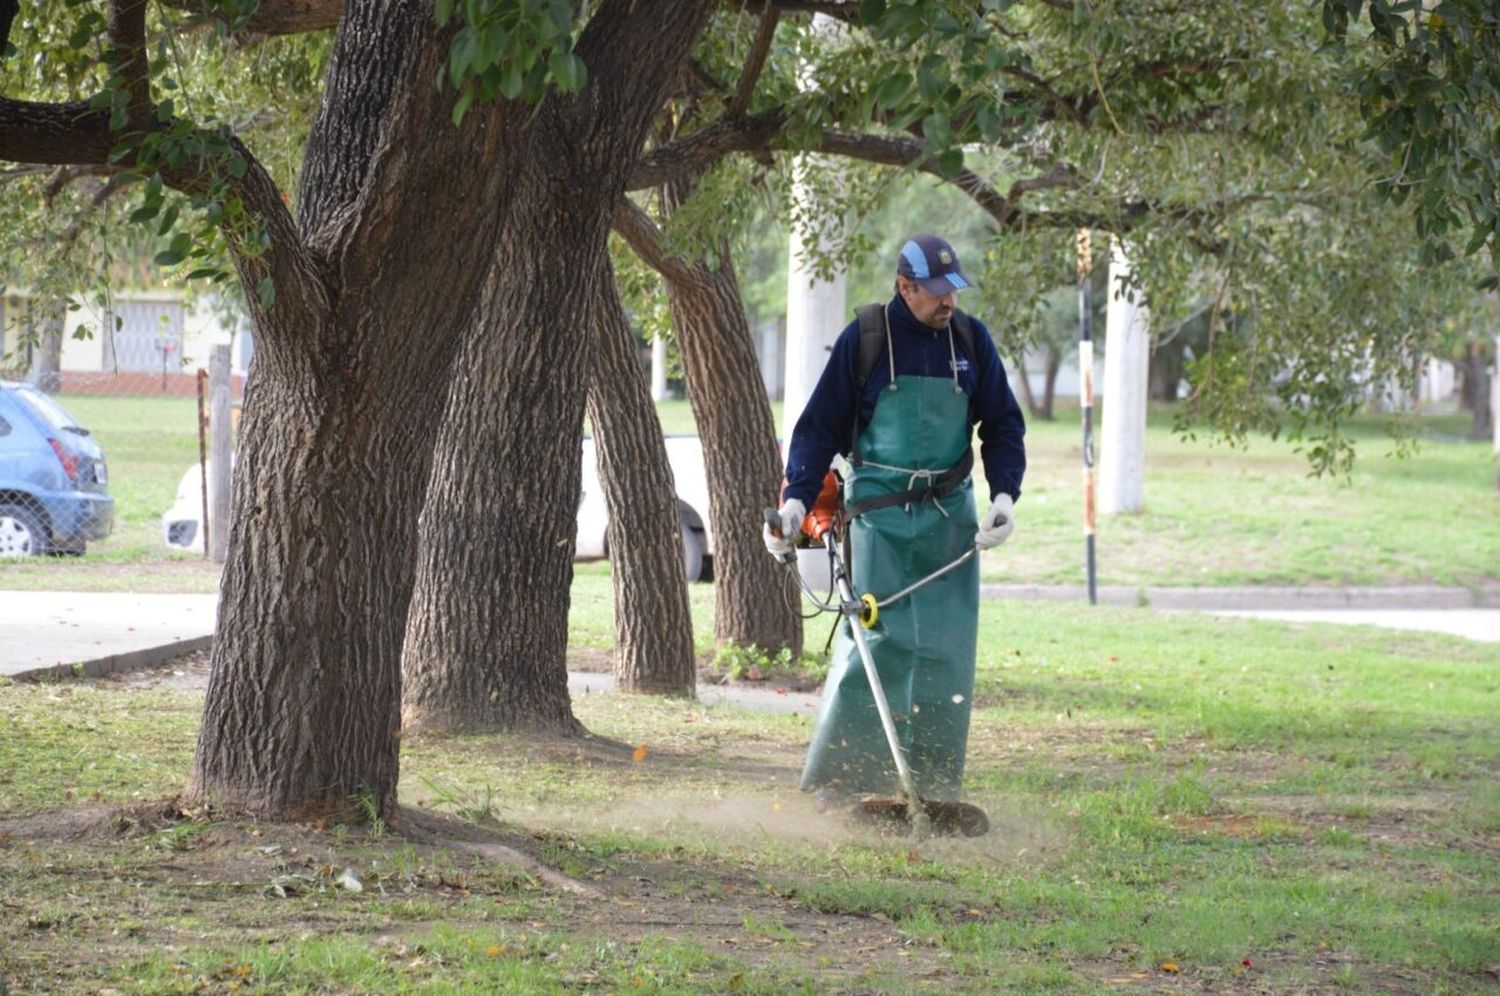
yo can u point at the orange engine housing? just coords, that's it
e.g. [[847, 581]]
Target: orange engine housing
[[827, 511]]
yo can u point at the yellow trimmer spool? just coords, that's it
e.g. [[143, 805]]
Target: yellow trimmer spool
[[869, 610]]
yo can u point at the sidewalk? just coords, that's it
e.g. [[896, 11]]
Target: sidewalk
[[46, 633], [98, 632]]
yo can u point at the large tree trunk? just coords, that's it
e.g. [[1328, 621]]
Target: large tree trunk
[[653, 628], [755, 600], [754, 605], [301, 714], [486, 641]]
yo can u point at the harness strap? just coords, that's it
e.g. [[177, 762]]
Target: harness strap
[[939, 487]]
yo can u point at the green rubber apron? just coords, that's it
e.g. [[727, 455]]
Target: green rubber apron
[[923, 645]]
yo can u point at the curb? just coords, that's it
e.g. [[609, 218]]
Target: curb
[[134, 660]]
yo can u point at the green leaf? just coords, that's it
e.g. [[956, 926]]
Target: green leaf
[[893, 89], [932, 77], [168, 219], [442, 12], [265, 291], [568, 70], [145, 212], [951, 162], [461, 106], [512, 79]]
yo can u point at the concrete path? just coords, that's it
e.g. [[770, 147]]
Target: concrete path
[[1473, 624], [95, 633]]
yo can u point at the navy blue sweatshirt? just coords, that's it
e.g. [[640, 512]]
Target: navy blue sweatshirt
[[826, 425]]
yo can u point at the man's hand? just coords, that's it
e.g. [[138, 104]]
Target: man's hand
[[998, 523], [792, 512]]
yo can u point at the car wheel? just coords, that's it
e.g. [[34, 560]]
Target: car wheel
[[21, 532], [692, 552]]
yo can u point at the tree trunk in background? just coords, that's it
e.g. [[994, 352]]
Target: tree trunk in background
[[1043, 408], [1049, 391], [486, 642], [653, 627], [755, 599], [46, 350], [754, 602], [300, 719], [1168, 360], [1475, 393]]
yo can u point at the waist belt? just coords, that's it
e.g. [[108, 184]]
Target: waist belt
[[936, 487]]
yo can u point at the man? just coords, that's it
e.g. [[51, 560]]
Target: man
[[900, 401]]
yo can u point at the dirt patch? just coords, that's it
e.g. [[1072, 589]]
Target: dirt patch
[[111, 887]]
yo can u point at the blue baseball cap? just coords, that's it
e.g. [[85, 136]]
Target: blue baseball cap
[[933, 264]]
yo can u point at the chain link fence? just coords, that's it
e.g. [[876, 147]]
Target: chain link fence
[[109, 417]]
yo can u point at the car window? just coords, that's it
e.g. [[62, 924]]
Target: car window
[[49, 411]]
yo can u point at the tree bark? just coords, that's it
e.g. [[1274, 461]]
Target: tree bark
[[754, 604], [653, 627], [46, 356], [1475, 392], [486, 642], [301, 714], [1168, 360], [1049, 388], [755, 601]]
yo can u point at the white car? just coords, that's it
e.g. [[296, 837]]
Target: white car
[[180, 525], [685, 454]]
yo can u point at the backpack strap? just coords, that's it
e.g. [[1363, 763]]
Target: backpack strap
[[871, 345]]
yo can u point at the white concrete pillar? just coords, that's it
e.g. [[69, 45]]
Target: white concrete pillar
[[658, 369], [816, 312], [1127, 377]]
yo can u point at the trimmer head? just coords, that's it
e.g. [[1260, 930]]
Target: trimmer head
[[944, 819]]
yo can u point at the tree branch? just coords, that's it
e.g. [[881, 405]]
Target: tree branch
[[694, 153], [62, 176], [76, 135], [644, 237], [127, 57], [756, 62], [278, 17], [847, 11]]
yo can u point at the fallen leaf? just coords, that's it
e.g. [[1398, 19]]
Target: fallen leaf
[[640, 753], [1171, 967]]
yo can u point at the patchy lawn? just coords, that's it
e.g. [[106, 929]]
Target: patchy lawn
[[1178, 804]]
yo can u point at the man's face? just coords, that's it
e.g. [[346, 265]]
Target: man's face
[[928, 308]]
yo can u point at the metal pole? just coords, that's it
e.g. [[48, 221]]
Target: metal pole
[[203, 457], [1086, 399]]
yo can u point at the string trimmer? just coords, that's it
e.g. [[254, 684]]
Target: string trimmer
[[923, 816]]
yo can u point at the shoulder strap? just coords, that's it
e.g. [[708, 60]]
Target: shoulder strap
[[871, 340], [963, 331]]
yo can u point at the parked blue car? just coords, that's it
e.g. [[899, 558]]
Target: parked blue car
[[53, 481]]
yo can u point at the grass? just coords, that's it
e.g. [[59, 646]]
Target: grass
[[1178, 801], [1215, 515]]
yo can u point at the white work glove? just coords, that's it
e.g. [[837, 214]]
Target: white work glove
[[792, 512], [998, 523]]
